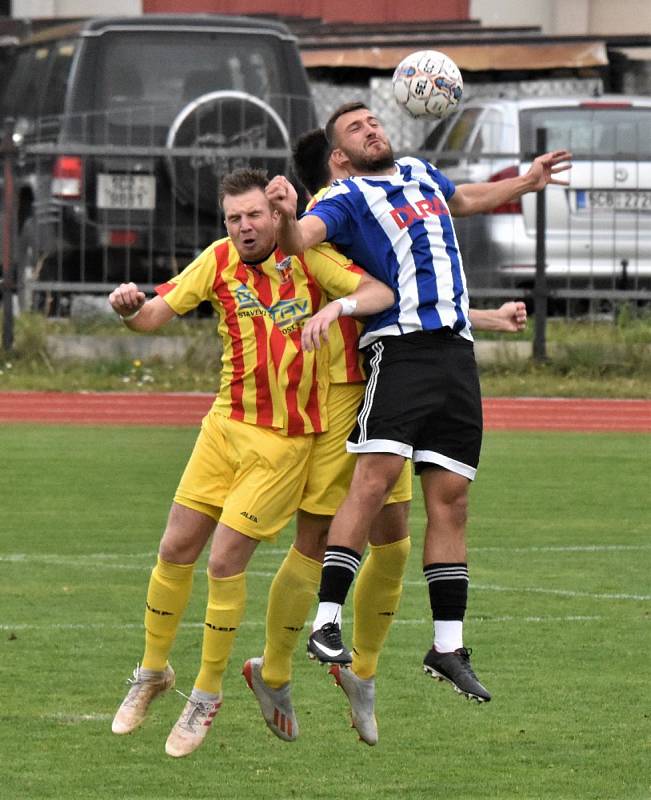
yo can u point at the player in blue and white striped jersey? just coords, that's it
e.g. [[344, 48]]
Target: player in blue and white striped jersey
[[401, 225], [422, 399]]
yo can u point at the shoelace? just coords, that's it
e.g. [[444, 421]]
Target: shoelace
[[135, 677], [465, 653], [138, 678], [199, 706], [332, 634]]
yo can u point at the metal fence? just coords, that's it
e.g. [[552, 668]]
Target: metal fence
[[82, 215]]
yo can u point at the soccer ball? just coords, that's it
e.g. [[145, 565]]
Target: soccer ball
[[427, 84]]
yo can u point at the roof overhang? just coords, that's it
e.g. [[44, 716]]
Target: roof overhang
[[479, 57]]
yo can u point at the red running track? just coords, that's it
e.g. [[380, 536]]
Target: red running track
[[500, 413]]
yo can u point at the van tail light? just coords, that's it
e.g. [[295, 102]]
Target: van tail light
[[515, 206], [122, 238], [67, 177]]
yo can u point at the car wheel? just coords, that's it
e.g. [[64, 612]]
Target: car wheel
[[235, 130]]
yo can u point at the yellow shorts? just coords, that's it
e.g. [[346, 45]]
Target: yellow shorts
[[248, 477], [331, 467]]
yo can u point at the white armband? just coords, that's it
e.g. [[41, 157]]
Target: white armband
[[131, 316], [348, 306]]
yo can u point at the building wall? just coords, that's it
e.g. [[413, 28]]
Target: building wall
[[624, 16], [567, 17], [328, 10], [73, 8], [554, 17]]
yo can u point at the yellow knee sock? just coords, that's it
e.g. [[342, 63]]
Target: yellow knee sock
[[167, 596], [376, 598], [226, 600], [292, 593]]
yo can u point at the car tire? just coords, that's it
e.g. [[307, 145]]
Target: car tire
[[236, 123]]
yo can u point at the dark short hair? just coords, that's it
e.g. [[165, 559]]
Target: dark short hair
[[355, 105], [242, 180], [310, 157]]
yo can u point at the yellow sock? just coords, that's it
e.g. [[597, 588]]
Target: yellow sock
[[376, 598], [291, 595], [226, 600], [167, 596]]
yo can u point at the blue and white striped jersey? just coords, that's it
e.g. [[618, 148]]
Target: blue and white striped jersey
[[398, 227]]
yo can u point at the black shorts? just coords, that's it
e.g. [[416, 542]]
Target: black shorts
[[422, 401]]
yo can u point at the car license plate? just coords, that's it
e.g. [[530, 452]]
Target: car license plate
[[610, 200], [126, 191]]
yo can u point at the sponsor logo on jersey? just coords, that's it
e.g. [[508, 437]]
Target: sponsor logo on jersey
[[284, 314], [288, 312], [246, 299], [406, 215]]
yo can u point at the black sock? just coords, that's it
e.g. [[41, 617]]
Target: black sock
[[340, 564], [448, 590]]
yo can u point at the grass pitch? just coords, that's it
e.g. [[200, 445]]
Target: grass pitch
[[560, 558]]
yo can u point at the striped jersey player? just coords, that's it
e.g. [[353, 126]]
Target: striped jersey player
[[422, 400]]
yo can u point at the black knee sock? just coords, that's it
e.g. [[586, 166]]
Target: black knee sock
[[340, 565], [448, 590]]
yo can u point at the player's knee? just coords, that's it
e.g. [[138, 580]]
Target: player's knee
[[372, 487], [312, 546], [458, 509], [176, 550], [453, 509]]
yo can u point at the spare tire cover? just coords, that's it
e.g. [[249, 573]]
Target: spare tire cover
[[242, 127]]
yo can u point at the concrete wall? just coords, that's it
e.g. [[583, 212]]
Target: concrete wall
[[74, 8], [567, 17]]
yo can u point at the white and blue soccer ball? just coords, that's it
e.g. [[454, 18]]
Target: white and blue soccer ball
[[428, 83]]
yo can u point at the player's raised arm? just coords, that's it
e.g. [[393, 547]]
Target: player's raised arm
[[138, 313], [479, 198], [510, 317], [293, 235], [370, 297]]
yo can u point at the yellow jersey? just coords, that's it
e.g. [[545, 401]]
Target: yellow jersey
[[346, 362], [266, 378]]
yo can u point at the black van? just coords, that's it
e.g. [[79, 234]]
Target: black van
[[124, 126]]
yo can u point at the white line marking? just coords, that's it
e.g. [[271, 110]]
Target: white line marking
[[88, 562], [73, 719], [257, 624], [535, 590], [85, 558], [588, 548]]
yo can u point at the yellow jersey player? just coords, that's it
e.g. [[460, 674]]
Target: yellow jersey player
[[246, 474]]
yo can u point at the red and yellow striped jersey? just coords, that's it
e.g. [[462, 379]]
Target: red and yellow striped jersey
[[346, 362], [266, 378]]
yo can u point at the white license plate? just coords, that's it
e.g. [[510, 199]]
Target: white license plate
[[611, 200], [126, 191]]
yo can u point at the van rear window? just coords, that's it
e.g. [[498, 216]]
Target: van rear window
[[590, 132], [161, 72]]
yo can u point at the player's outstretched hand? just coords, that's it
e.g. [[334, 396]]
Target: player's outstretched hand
[[512, 316], [316, 328], [545, 167], [282, 196], [127, 299]]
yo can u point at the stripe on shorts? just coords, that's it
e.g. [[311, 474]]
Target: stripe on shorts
[[371, 385]]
